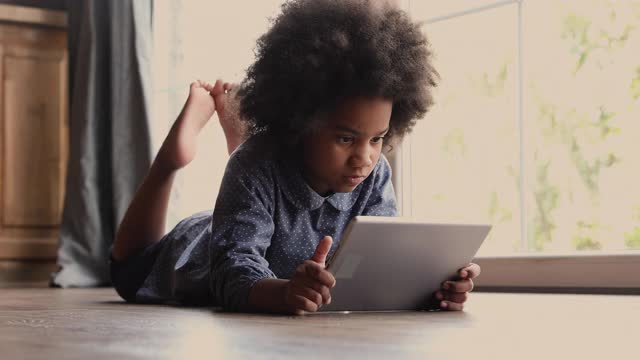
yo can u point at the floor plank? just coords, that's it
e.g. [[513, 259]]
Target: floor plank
[[94, 324]]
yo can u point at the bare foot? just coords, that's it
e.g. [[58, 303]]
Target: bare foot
[[229, 115], [179, 148]]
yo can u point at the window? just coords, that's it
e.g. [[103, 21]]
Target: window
[[534, 131]]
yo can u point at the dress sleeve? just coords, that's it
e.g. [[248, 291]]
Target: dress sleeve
[[242, 227], [382, 201]]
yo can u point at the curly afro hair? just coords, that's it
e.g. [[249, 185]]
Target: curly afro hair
[[318, 52]]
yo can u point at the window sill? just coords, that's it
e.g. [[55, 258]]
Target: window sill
[[567, 273]]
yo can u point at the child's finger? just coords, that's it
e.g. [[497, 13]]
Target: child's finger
[[470, 271], [321, 289], [454, 297], [316, 272], [451, 306], [310, 294], [323, 248], [304, 304], [459, 286]]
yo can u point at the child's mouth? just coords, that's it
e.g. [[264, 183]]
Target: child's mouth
[[353, 180]]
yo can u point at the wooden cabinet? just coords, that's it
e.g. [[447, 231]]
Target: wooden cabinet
[[33, 131]]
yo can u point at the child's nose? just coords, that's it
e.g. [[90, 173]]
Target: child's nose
[[360, 158]]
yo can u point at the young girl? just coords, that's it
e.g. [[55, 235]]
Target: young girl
[[333, 82]]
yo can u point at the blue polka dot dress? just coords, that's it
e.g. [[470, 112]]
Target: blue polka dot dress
[[266, 221]]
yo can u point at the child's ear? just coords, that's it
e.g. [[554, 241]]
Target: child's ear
[[389, 145], [387, 149]]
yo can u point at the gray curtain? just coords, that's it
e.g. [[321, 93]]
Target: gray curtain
[[110, 46]]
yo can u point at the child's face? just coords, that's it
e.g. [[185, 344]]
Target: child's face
[[344, 151]]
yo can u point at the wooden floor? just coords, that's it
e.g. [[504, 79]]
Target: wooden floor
[[94, 324]]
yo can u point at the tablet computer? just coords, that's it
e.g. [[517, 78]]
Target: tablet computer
[[396, 263]]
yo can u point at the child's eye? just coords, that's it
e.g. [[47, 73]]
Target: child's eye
[[377, 139], [345, 139]]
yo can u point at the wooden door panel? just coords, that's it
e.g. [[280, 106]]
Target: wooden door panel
[[33, 131], [33, 118]]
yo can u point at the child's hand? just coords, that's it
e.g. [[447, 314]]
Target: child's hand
[[453, 294], [309, 288]]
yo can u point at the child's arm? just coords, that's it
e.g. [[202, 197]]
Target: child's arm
[[242, 228]]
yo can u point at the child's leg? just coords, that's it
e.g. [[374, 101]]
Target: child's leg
[[144, 221]]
